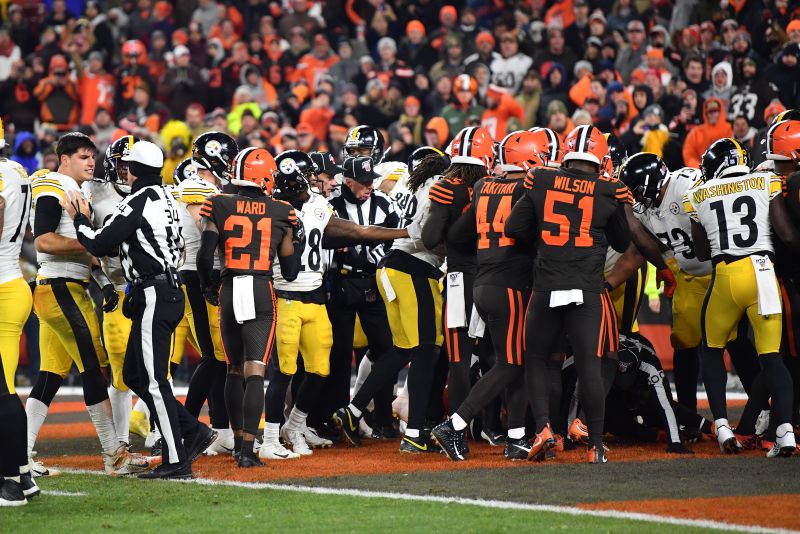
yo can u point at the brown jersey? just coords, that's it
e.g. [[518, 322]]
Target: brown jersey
[[250, 230], [570, 211]]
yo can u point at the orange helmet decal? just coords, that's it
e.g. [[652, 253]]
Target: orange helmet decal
[[253, 167]]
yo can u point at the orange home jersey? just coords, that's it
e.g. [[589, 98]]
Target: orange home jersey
[[97, 91], [250, 230]]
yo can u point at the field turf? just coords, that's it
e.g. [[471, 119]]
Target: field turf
[[376, 489]]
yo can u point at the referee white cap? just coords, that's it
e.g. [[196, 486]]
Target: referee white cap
[[146, 153]]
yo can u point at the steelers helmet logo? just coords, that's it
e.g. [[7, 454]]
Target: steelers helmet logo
[[288, 166], [214, 148], [674, 208], [189, 172], [319, 213]]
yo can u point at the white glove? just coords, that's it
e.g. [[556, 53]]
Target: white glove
[[414, 230]]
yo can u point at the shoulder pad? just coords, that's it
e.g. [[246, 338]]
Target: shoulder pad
[[48, 184]]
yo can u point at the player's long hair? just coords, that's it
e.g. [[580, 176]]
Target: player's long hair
[[430, 165], [467, 173]]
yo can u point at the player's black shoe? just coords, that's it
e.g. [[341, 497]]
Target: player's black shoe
[[348, 422], [177, 471], [202, 440], [597, 456], [517, 449], [384, 432], [28, 485], [495, 439], [11, 494], [419, 445], [248, 459], [452, 441], [157, 448]]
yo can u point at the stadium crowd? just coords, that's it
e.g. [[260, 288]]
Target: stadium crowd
[[396, 142]]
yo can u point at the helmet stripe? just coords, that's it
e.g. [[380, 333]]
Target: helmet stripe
[[770, 133], [552, 144], [740, 150], [466, 145], [583, 139], [502, 150]]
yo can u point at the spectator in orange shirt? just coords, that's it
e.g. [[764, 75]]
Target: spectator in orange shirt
[[502, 113], [95, 85], [715, 126], [317, 62], [59, 97], [308, 140], [318, 114]]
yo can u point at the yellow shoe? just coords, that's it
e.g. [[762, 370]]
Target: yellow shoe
[[139, 424]]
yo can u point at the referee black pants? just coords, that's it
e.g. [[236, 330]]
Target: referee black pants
[[157, 308]]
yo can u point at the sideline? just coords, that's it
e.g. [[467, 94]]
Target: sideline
[[495, 504]]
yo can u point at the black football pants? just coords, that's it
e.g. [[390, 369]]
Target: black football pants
[[157, 310]]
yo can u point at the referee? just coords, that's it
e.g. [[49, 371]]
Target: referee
[[146, 228]]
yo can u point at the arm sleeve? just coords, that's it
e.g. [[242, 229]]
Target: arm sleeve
[[48, 215], [435, 228], [205, 257], [463, 233], [290, 265], [121, 225]]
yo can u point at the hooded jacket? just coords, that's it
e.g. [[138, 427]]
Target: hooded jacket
[[701, 137], [31, 161], [722, 92]]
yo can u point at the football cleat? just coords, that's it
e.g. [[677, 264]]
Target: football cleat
[[597, 456], [29, 487], [349, 424], [517, 449], [578, 432], [750, 443], [294, 437], [728, 443], [313, 439], [495, 439], [384, 432], [248, 459], [11, 494], [551, 454], [152, 438], [37, 469], [275, 451], [419, 445], [785, 444], [678, 448], [762, 423], [176, 471], [543, 442], [453, 442], [222, 445], [139, 424], [122, 462]]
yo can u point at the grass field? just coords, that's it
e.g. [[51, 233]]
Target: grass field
[[376, 489]]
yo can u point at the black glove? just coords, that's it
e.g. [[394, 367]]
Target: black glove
[[211, 294], [679, 448], [299, 234], [110, 298]]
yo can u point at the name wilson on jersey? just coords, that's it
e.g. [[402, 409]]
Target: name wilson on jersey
[[730, 188], [574, 185]]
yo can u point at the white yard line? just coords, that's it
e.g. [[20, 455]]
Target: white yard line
[[495, 504], [58, 493]]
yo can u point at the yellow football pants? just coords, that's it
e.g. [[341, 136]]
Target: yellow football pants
[[733, 292], [116, 330], [15, 307], [415, 314], [305, 328]]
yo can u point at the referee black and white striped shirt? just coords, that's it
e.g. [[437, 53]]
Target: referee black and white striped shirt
[[378, 210], [146, 227]]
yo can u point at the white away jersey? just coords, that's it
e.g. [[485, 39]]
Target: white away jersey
[[104, 199], [417, 210], [672, 226], [734, 211], [76, 266], [396, 171], [15, 189], [193, 191], [315, 216]]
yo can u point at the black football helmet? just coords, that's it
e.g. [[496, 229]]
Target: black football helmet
[[115, 171], [421, 153], [364, 137], [725, 156], [617, 153], [295, 172], [215, 151], [644, 173], [186, 170]]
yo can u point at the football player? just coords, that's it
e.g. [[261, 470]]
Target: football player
[[69, 330], [212, 153], [501, 290], [734, 213], [364, 141], [471, 158], [250, 229], [15, 307], [572, 209], [303, 326], [325, 182]]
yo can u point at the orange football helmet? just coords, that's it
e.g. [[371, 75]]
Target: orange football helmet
[[549, 146], [783, 141], [253, 167], [587, 143], [472, 146], [519, 151]]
